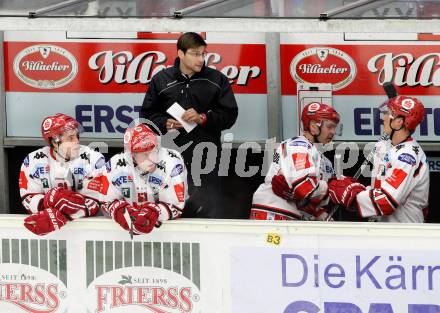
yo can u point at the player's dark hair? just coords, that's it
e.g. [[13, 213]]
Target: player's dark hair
[[190, 40]]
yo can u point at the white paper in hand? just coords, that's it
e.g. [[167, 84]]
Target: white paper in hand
[[177, 111]]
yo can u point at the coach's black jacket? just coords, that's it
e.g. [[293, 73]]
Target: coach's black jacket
[[208, 91]]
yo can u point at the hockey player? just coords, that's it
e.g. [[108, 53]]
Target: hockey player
[[146, 184], [400, 182], [51, 180], [295, 186]]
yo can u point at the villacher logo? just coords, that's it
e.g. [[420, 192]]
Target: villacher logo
[[323, 65], [45, 66]]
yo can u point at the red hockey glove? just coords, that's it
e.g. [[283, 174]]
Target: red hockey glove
[[147, 217], [45, 221], [281, 188], [343, 191], [71, 204], [139, 219]]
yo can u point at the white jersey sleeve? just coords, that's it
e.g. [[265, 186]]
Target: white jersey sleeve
[[31, 187], [172, 199], [93, 177], [400, 192], [300, 163], [106, 183]]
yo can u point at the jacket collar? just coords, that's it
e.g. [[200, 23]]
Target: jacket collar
[[180, 76]]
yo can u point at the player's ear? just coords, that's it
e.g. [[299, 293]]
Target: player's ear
[[180, 54], [398, 121], [314, 128]]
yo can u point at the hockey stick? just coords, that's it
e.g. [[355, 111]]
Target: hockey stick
[[391, 92]]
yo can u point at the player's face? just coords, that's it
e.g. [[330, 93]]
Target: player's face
[[146, 161], [328, 131], [68, 146], [192, 60], [388, 121]]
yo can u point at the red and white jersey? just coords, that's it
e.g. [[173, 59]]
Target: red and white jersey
[[166, 186], [42, 170], [399, 185], [306, 170]]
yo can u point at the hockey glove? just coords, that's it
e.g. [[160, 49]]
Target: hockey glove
[[45, 221], [281, 188], [136, 219], [72, 204], [344, 191]]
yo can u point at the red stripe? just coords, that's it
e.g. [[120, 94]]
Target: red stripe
[[428, 37], [385, 206], [275, 210], [392, 200], [303, 189]]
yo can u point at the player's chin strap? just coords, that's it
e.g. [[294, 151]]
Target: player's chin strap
[[395, 130]]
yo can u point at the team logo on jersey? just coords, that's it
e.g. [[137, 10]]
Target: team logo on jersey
[[126, 192], [121, 162], [79, 171], [328, 169], [396, 178], [22, 181], [177, 170], [39, 170], [179, 189], [162, 166], [416, 150], [299, 144], [407, 158], [26, 161], [99, 184], [123, 179], [108, 166], [155, 180], [323, 65], [45, 66], [45, 182], [100, 163], [40, 155], [300, 161], [85, 156]]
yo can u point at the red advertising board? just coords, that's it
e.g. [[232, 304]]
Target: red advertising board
[[107, 67], [361, 69]]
